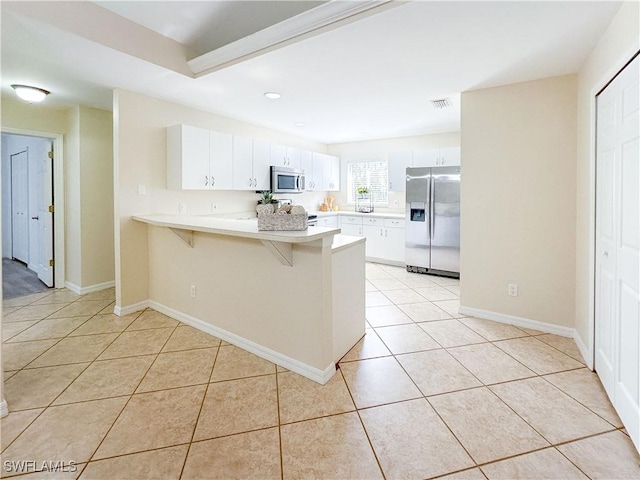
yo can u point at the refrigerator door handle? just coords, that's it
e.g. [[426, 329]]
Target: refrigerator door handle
[[432, 208]]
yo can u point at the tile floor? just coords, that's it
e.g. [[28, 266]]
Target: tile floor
[[427, 393]]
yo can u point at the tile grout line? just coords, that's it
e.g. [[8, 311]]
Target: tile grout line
[[279, 425]]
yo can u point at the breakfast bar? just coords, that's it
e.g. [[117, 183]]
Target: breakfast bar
[[296, 298]]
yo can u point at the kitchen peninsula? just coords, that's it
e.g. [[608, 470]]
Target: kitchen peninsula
[[296, 298]]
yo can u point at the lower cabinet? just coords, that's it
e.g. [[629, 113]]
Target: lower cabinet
[[330, 221], [385, 236]]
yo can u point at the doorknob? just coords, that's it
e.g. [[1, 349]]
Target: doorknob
[[605, 253], [35, 218]]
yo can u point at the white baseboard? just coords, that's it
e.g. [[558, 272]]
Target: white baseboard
[[4, 409], [584, 351], [519, 321], [315, 374], [126, 310], [90, 289]]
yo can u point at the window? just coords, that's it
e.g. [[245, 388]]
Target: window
[[374, 175]]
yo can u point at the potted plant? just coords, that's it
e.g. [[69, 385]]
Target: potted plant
[[265, 204], [364, 203]]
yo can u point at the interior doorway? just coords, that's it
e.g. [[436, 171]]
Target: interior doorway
[[617, 244], [28, 212]]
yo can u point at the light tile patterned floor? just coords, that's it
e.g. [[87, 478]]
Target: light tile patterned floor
[[427, 393]]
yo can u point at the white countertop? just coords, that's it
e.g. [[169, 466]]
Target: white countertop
[[340, 242], [246, 228]]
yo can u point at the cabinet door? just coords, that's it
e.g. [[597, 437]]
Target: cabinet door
[[243, 164], [398, 163], [278, 155], [220, 161], [450, 156], [353, 230], [293, 157], [261, 164], [330, 221], [306, 164], [426, 158], [335, 173], [187, 158], [375, 240], [393, 244], [318, 171]]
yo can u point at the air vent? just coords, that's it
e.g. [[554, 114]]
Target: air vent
[[441, 103]]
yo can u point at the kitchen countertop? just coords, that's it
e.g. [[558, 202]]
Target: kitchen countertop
[[246, 228]]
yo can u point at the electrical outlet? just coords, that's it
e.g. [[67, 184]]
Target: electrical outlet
[[193, 291], [512, 289], [142, 189], [182, 208], [213, 207]]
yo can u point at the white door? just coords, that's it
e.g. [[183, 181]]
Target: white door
[[617, 296], [195, 158], [45, 217], [20, 206]]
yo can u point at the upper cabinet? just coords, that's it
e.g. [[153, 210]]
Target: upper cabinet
[[201, 159], [282, 156], [399, 161], [198, 159]]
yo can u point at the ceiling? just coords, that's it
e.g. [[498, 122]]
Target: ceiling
[[372, 76]]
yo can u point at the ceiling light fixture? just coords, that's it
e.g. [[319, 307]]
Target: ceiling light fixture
[[272, 95], [30, 94]]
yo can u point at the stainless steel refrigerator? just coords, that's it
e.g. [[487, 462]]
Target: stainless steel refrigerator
[[432, 230]]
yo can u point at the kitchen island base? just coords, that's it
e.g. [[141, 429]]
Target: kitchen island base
[[303, 316]]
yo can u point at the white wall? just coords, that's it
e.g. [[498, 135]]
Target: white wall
[[518, 200], [614, 49], [377, 150], [6, 199]]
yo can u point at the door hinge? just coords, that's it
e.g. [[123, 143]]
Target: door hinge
[[50, 154], [51, 208], [51, 263]]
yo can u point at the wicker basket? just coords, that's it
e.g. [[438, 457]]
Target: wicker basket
[[282, 222]]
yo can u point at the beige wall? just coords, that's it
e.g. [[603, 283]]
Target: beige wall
[[140, 159], [73, 222], [518, 199], [618, 44], [379, 150], [96, 181]]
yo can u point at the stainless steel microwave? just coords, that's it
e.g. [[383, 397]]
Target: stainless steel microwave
[[287, 180]]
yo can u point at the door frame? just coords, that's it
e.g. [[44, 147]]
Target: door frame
[[600, 85], [58, 198]]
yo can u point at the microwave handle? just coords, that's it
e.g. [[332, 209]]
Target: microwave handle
[[298, 177]]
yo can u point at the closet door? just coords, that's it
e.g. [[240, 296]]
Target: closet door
[[617, 295], [20, 206]]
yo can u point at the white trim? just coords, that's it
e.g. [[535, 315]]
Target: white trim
[[4, 409], [519, 321], [599, 85], [90, 289], [307, 24], [136, 307], [584, 351], [58, 197], [315, 374]]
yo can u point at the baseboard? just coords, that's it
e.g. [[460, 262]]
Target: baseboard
[[136, 307], [518, 321], [90, 289], [4, 409], [315, 374], [584, 351]]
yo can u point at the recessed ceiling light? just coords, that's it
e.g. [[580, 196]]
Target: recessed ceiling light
[[299, 124], [30, 94], [272, 95]]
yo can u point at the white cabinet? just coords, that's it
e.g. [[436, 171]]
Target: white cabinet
[[437, 157], [250, 164], [385, 238], [285, 156], [330, 221], [313, 170], [220, 161], [398, 163], [331, 177], [198, 159], [351, 225]]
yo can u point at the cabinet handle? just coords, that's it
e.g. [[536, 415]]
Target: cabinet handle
[[206, 181], [213, 181], [251, 182], [385, 232]]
